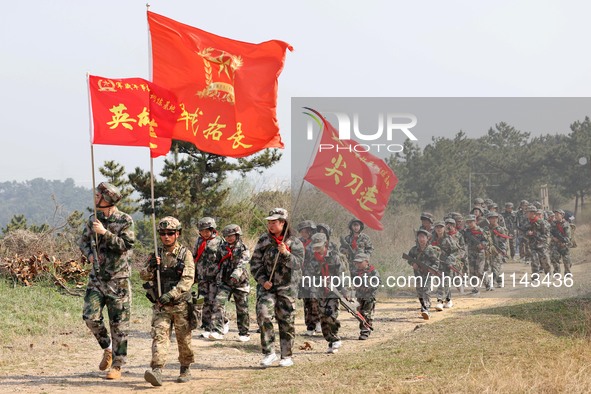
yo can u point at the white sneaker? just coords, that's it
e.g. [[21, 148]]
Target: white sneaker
[[244, 338], [448, 304], [286, 362], [269, 359], [216, 336], [309, 333], [331, 349], [439, 306], [337, 344], [226, 328], [318, 327], [205, 334]]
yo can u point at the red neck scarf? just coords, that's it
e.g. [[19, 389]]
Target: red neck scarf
[[201, 249], [354, 241]]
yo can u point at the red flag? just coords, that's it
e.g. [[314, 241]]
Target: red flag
[[359, 181], [227, 88], [132, 112]]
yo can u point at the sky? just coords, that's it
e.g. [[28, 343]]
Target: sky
[[343, 48]]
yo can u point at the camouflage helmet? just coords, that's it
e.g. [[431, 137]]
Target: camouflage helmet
[[109, 192], [560, 211], [306, 224], [524, 202], [508, 205], [325, 227], [537, 204], [231, 229], [206, 223], [488, 201], [493, 205], [478, 200], [450, 221], [169, 223], [531, 208], [318, 240], [358, 221], [423, 231], [426, 216], [361, 257]]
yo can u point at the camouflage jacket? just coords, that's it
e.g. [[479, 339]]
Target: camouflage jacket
[[449, 248], [234, 264], [561, 234], [461, 241], [288, 268], [326, 266], [366, 291], [114, 247], [521, 222], [428, 256], [307, 250], [510, 221], [177, 272], [476, 240], [540, 229], [498, 242], [207, 264], [362, 245]]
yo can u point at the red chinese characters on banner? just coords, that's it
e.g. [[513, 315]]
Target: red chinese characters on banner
[[227, 88], [359, 181], [132, 112]]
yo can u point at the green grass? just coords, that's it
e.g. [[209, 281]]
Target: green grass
[[530, 347]]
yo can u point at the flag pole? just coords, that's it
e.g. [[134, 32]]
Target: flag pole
[[158, 282], [95, 255]]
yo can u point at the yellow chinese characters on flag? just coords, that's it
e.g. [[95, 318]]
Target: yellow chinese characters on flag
[[132, 112], [359, 181], [227, 88]]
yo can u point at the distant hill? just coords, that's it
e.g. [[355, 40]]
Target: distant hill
[[37, 199]]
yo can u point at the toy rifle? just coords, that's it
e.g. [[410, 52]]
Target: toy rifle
[[350, 307], [94, 250], [423, 267], [350, 251]]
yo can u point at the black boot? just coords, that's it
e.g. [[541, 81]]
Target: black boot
[[185, 375]]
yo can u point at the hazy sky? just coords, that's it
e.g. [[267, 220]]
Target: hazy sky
[[342, 48]]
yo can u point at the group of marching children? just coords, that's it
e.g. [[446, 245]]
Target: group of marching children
[[476, 246]]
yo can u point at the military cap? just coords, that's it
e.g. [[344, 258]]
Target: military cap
[[475, 208], [306, 224], [450, 221], [508, 205], [427, 216], [325, 227], [524, 202], [560, 211], [492, 215], [470, 218], [318, 239], [478, 200], [423, 231], [277, 214], [440, 223], [359, 257], [532, 208]]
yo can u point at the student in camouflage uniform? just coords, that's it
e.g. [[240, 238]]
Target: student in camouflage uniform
[[429, 256], [448, 255], [560, 244], [327, 263], [522, 223], [108, 282], [233, 278], [510, 218], [476, 244], [366, 293], [275, 266], [494, 207], [538, 232], [177, 275], [306, 229], [356, 242], [498, 246], [427, 221], [207, 253]]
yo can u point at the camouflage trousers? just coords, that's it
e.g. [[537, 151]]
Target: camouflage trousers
[[212, 318], [477, 263], [281, 305], [162, 319], [311, 313], [512, 246], [241, 302], [115, 294], [494, 263], [539, 260], [329, 313], [557, 253], [366, 307], [444, 289], [423, 288], [524, 250]]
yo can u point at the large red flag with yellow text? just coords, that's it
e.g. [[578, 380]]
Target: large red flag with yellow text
[[359, 181], [227, 89], [132, 112]]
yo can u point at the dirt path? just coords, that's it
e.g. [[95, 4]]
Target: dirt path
[[68, 361]]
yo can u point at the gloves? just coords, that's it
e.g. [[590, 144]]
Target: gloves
[[165, 299]]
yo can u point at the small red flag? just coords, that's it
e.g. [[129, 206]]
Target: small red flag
[[359, 181], [132, 112], [227, 88]]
